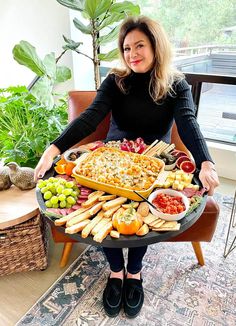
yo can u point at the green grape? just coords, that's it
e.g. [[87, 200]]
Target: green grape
[[70, 200], [74, 194], [68, 205], [62, 204], [67, 192], [48, 204], [51, 179], [62, 197], [44, 189], [47, 195], [59, 189], [50, 185], [41, 184], [55, 205], [70, 184], [54, 200]]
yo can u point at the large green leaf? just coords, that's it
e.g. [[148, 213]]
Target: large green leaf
[[95, 8], [25, 54], [42, 91], [70, 44], [62, 74], [126, 7], [73, 4], [112, 18], [83, 28], [110, 56], [109, 37], [50, 64]]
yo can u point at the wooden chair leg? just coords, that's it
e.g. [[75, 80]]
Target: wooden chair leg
[[66, 253], [198, 252]]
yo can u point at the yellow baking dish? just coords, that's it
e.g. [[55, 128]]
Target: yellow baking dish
[[115, 190]]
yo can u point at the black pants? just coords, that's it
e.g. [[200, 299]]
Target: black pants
[[116, 259]]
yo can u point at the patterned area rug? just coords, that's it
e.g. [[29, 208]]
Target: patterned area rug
[[177, 291]]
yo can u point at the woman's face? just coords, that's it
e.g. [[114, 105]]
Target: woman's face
[[138, 52]]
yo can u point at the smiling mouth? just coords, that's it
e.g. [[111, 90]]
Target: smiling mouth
[[136, 62]]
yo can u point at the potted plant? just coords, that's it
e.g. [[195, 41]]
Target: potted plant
[[103, 18]]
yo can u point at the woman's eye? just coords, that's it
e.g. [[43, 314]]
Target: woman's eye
[[126, 49], [140, 45]]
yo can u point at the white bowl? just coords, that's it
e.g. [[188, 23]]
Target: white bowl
[[74, 150], [165, 216]]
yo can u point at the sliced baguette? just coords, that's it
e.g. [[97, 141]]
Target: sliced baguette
[[143, 209]]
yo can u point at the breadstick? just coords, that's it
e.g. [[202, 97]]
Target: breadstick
[[66, 218], [77, 227], [96, 208], [113, 203], [99, 236], [106, 197], [111, 211], [88, 228], [94, 193], [100, 225], [92, 200], [150, 147], [78, 218]]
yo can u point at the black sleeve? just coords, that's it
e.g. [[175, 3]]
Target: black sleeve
[[88, 120], [188, 128]]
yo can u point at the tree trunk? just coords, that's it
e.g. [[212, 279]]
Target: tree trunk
[[96, 62]]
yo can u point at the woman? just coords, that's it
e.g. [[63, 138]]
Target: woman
[[145, 97]]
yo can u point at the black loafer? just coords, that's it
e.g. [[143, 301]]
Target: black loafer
[[112, 297], [133, 297]]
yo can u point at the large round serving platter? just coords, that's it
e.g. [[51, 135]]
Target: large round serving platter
[[125, 241]]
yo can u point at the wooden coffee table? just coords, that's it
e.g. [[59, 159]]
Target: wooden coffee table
[[17, 206]]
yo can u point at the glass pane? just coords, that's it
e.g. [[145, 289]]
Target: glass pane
[[203, 32], [217, 112]]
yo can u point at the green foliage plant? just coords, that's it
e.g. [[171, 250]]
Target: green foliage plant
[[26, 126], [49, 72], [103, 17]]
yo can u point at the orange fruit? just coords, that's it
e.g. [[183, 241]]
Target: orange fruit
[[60, 169], [62, 161], [69, 167], [127, 223]]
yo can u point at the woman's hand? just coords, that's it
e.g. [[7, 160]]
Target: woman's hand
[[208, 177], [45, 162]]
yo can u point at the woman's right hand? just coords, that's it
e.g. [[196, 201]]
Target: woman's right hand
[[45, 162]]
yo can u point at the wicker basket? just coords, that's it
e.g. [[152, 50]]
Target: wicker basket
[[24, 247]]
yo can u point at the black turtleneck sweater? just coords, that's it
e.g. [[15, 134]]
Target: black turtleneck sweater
[[135, 114]]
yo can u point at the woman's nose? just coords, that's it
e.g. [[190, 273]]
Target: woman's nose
[[133, 53]]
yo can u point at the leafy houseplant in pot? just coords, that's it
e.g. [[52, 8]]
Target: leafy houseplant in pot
[[103, 18], [29, 120]]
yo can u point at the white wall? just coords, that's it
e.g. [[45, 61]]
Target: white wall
[[40, 22], [82, 66]]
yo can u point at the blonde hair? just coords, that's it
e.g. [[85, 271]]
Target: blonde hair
[[162, 74]]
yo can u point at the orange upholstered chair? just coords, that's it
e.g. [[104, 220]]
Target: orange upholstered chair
[[202, 230]]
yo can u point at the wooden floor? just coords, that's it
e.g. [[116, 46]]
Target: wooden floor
[[18, 292]]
